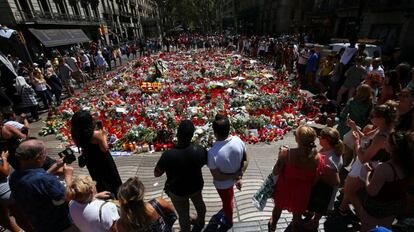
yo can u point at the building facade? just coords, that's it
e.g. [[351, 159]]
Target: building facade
[[106, 21], [391, 22]]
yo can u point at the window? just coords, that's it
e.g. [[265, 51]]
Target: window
[[76, 9], [25, 8], [60, 6], [45, 6], [86, 9], [95, 11]]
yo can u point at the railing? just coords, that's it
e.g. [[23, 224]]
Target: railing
[[54, 18]]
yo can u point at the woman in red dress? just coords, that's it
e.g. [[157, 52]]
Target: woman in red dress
[[297, 169]]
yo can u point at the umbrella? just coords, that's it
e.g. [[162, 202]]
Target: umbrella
[[6, 32], [7, 63]]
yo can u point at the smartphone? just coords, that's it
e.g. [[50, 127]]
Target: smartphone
[[67, 155]]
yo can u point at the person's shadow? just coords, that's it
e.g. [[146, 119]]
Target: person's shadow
[[215, 225], [337, 223]]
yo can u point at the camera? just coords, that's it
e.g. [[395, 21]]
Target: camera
[[67, 155]]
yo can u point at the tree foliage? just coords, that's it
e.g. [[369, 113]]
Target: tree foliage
[[188, 13]]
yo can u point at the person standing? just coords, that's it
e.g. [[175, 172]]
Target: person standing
[[86, 63], [55, 84], [107, 56], [95, 152], [311, 68], [182, 165], [73, 63], [41, 88], [376, 68], [28, 100], [227, 161], [101, 63], [65, 74], [354, 76], [297, 169]]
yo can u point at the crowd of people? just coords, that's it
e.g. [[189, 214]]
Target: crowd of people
[[367, 106]]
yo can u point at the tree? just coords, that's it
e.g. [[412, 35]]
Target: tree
[[188, 13]]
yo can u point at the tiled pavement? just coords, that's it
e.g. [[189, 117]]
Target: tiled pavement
[[246, 216]]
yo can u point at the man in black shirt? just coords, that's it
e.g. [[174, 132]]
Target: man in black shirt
[[185, 181]]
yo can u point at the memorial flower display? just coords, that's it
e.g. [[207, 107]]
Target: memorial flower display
[[141, 109]]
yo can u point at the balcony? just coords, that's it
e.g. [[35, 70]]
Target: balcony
[[54, 18]]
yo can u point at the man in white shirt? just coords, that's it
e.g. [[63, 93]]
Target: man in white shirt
[[348, 53], [302, 61], [227, 161], [376, 68], [86, 63], [72, 62]]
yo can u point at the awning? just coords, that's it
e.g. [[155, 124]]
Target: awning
[[58, 37], [4, 61]]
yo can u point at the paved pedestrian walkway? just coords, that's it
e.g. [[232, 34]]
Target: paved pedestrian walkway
[[246, 216]]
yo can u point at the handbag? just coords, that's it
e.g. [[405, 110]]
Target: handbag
[[82, 160], [169, 218], [267, 189], [265, 192]]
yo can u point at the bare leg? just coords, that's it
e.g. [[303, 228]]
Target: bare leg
[[352, 185], [275, 218], [296, 222], [6, 222]]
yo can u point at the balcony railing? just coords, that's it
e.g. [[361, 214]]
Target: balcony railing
[[54, 18]]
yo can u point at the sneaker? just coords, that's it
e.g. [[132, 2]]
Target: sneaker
[[224, 225]]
